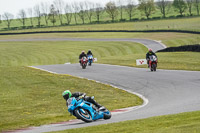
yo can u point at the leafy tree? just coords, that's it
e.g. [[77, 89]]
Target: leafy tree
[[146, 6], [180, 5], [111, 9]]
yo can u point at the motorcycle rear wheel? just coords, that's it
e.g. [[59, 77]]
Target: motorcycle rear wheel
[[154, 67], [83, 66], [83, 114]]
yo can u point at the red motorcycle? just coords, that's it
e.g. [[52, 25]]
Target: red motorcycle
[[84, 61], [153, 62]]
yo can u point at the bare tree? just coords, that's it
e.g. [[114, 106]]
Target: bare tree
[[76, 9], [146, 6], [180, 5], [111, 9], [99, 10], [68, 13], [89, 10], [8, 17], [0, 19], [37, 14], [82, 12], [130, 8], [196, 4], [189, 4], [59, 5], [22, 16], [120, 8], [52, 15], [30, 12], [45, 11], [164, 6]]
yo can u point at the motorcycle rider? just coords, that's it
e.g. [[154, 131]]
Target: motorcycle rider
[[89, 52], [67, 94], [149, 53], [81, 56]]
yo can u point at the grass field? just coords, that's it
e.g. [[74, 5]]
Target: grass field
[[31, 97], [165, 24], [178, 123], [169, 39]]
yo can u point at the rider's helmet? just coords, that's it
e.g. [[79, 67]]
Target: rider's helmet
[[150, 50], [83, 52], [66, 94]]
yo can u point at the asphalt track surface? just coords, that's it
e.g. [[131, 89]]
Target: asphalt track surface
[[165, 91]]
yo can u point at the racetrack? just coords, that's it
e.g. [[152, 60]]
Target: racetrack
[[168, 91]]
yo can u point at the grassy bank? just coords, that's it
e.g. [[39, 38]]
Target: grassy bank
[[164, 24], [179, 123], [169, 39], [31, 97]]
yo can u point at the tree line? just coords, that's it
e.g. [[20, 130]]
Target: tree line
[[61, 11]]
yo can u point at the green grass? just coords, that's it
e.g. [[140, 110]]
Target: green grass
[[178, 123], [166, 24], [104, 18], [169, 39], [31, 97]]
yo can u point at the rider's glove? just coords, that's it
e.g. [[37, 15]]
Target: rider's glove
[[82, 96]]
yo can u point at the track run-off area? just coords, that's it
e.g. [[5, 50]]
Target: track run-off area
[[165, 91]]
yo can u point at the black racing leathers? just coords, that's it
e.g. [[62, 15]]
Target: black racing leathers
[[89, 53], [149, 54], [86, 98]]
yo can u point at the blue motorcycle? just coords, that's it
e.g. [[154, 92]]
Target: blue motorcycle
[[90, 60], [86, 111]]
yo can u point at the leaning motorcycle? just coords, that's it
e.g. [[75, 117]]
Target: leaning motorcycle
[[86, 111], [84, 61], [90, 60], [153, 62]]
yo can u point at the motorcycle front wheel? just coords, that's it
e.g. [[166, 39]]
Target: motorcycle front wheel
[[83, 115]]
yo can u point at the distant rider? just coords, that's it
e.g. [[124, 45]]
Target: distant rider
[[149, 53], [82, 55], [67, 94], [89, 53]]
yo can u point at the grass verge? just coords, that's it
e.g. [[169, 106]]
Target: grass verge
[[169, 39], [163, 24], [31, 97], [178, 123]]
